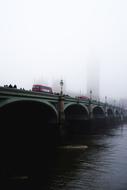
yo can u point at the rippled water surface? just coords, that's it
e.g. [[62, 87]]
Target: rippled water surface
[[94, 162]]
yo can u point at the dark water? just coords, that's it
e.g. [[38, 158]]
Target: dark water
[[100, 166]]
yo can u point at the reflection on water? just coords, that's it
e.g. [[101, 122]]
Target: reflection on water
[[99, 162]]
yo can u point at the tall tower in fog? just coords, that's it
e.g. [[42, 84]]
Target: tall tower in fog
[[93, 79]]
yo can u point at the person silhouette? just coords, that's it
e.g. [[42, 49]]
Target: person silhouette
[[15, 86], [10, 86]]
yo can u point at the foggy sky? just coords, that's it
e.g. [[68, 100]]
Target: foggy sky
[[44, 41]]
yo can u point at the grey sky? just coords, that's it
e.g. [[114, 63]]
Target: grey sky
[[46, 40]]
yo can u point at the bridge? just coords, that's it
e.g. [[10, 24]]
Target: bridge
[[27, 106], [31, 122]]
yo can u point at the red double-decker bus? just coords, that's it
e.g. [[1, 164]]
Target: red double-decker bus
[[42, 88], [83, 97]]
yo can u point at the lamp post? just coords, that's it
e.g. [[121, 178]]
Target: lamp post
[[114, 103], [61, 84], [105, 100], [90, 95], [106, 115], [61, 110], [90, 106], [98, 101]]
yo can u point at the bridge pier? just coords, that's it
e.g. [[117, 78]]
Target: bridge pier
[[90, 111], [61, 117]]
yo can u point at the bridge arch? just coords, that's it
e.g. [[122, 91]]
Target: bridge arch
[[75, 111], [27, 121], [28, 127], [98, 112], [9, 101], [26, 108]]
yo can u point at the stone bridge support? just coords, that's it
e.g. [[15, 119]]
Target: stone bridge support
[[61, 115]]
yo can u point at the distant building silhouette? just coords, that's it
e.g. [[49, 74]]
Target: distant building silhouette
[[93, 80]]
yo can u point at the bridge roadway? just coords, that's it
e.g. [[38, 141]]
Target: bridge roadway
[[31, 123]]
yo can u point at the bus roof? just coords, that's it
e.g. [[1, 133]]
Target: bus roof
[[41, 85]]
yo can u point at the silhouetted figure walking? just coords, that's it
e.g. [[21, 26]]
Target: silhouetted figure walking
[[15, 86], [10, 86]]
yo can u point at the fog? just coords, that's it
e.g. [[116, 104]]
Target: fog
[[46, 41]]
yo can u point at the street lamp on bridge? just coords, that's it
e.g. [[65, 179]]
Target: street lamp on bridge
[[114, 103], [105, 99], [90, 95], [61, 84]]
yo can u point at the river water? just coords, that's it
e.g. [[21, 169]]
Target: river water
[[94, 162]]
